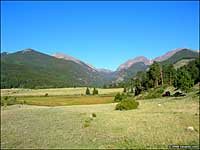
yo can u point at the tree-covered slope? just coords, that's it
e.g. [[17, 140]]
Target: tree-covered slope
[[140, 65], [180, 55], [126, 74], [32, 69]]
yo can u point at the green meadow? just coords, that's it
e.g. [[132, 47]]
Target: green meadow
[[156, 123]]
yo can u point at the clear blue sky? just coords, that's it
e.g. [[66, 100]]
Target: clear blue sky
[[104, 34]]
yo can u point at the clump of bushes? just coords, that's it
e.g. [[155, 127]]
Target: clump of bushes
[[154, 93], [23, 102], [8, 101], [127, 104], [86, 123], [119, 97]]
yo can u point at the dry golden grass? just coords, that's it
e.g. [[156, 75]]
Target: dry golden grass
[[55, 91]]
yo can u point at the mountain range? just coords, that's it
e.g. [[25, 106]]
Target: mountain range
[[32, 69]]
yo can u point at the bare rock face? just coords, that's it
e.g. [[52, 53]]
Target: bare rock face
[[66, 57], [130, 62]]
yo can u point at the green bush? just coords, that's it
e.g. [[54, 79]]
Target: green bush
[[119, 97], [8, 101], [46, 94], [154, 93], [4, 100], [12, 101], [127, 104], [23, 102], [94, 115], [86, 123]]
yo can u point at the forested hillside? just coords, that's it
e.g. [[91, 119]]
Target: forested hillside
[[32, 69]]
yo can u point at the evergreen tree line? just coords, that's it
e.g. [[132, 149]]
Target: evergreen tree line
[[157, 75]]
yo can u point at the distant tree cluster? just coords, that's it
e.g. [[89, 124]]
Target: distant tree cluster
[[94, 92], [183, 78]]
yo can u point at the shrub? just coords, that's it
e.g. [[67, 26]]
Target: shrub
[[155, 93], [46, 94], [94, 115], [127, 104], [119, 97], [12, 101], [86, 123], [8, 101], [23, 102], [3, 100]]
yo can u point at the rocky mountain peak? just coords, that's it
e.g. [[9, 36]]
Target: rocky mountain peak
[[66, 57], [130, 62], [168, 55]]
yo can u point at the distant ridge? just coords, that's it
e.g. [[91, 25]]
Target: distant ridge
[[30, 68], [66, 57], [130, 62]]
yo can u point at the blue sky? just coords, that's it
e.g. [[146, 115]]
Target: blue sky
[[104, 34]]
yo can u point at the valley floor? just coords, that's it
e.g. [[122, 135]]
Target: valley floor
[[157, 123]]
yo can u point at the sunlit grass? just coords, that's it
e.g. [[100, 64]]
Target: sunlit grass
[[55, 91], [65, 100], [149, 126]]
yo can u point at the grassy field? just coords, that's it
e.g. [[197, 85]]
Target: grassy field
[[61, 96], [65, 100], [56, 91], [157, 123]]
